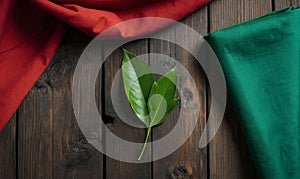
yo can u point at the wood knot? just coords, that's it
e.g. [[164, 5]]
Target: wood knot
[[79, 145], [56, 72], [187, 98], [182, 170], [78, 153], [42, 86]]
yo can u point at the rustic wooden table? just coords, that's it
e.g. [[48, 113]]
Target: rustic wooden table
[[43, 140]]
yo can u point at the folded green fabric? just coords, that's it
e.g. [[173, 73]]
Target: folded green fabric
[[260, 59]]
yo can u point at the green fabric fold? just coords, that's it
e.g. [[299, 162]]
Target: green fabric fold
[[260, 59]]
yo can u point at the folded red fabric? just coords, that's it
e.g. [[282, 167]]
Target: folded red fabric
[[30, 32]]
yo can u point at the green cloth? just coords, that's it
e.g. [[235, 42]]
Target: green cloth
[[260, 59]]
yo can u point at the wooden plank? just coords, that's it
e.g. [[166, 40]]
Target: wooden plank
[[114, 168], [8, 149], [35, 132], [73, 156], [248, 10], [188, 161], [295, 2], [228, 150], [278, 4], [285, 3]]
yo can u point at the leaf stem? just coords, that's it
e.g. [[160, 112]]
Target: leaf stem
[[145, 143]]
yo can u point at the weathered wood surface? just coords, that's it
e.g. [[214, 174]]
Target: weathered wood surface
[[8, 147], [188, 161], [43, 140]]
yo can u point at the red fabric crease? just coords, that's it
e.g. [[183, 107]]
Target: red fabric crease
[[30, 33]]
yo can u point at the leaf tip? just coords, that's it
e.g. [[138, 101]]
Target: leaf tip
[[175, 67]]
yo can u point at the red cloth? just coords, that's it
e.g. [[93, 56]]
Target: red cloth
[[30, 32]]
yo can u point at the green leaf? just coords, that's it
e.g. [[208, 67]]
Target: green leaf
[[138, 80], [151, 101], [161, 98], [161, 101]]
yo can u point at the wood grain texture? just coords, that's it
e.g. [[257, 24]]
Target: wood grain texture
[[295, 2], [35, 132], [50, 143], [73, 156], [285, 3], [116, 169], [8, 154], [188, 161], [228, 150], [278, 4]]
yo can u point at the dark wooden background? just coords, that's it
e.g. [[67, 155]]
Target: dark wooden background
[[42, 139]]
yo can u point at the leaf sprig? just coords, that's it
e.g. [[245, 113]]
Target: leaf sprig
[[151, 101]]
